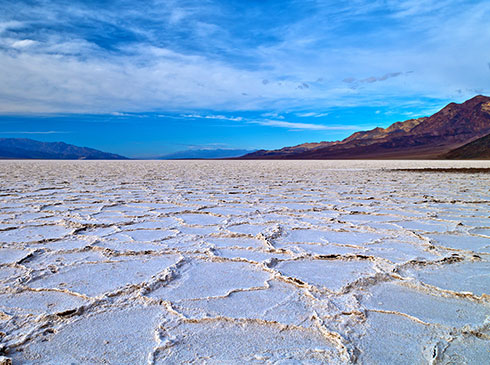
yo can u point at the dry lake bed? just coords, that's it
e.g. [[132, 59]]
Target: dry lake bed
[[148, 262]]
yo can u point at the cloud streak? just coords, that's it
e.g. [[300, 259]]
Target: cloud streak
[[312, 114], [34, 132], [301, 126], [371, 79], [218, 117], [272, 122]]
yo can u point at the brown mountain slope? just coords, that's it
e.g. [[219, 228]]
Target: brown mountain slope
[[428, 137], [478, 149], [377, 134], [291, 151]]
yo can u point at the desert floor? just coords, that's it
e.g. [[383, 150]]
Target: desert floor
[[134, 262]]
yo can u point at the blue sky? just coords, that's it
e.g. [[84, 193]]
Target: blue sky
[[145, 78]]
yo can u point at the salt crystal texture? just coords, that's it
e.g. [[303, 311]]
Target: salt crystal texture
[[132, 262]]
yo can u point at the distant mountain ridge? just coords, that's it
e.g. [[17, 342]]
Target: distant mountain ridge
[[205, 154], [423, 138], [24, 148]]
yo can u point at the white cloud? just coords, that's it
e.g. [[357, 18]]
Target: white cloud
[[300, 126], [312, 114], [153, 79], [10, 25], [24, 43], [70, 74], [219, 117], [177, 15], [119, 114]]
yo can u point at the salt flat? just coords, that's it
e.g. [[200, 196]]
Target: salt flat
[[133, 262]]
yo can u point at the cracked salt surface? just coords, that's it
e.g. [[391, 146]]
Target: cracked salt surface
[[131, 262]]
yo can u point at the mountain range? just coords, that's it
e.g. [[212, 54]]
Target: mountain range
[[458, 131], [204, 154], [24, 148]]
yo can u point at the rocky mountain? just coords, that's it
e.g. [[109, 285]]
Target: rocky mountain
[[424, 138], [379, 134], [478, 149], [23, 148]]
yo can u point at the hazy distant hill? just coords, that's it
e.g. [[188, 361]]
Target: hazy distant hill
[[430, 137], [204, 154], [23, 148]]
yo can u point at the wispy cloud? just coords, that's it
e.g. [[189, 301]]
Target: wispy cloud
[[277, 123], [120, 114], [218, 117], [312, 114], [272, 115], [387, 76], [301, 126], [372, 79], [97, 57], [34, 132], [24, 43]]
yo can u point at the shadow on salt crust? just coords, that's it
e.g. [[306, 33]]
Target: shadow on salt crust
[[246, 341], [118, 336], [94, 279], [209, 279], [325, 274]]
